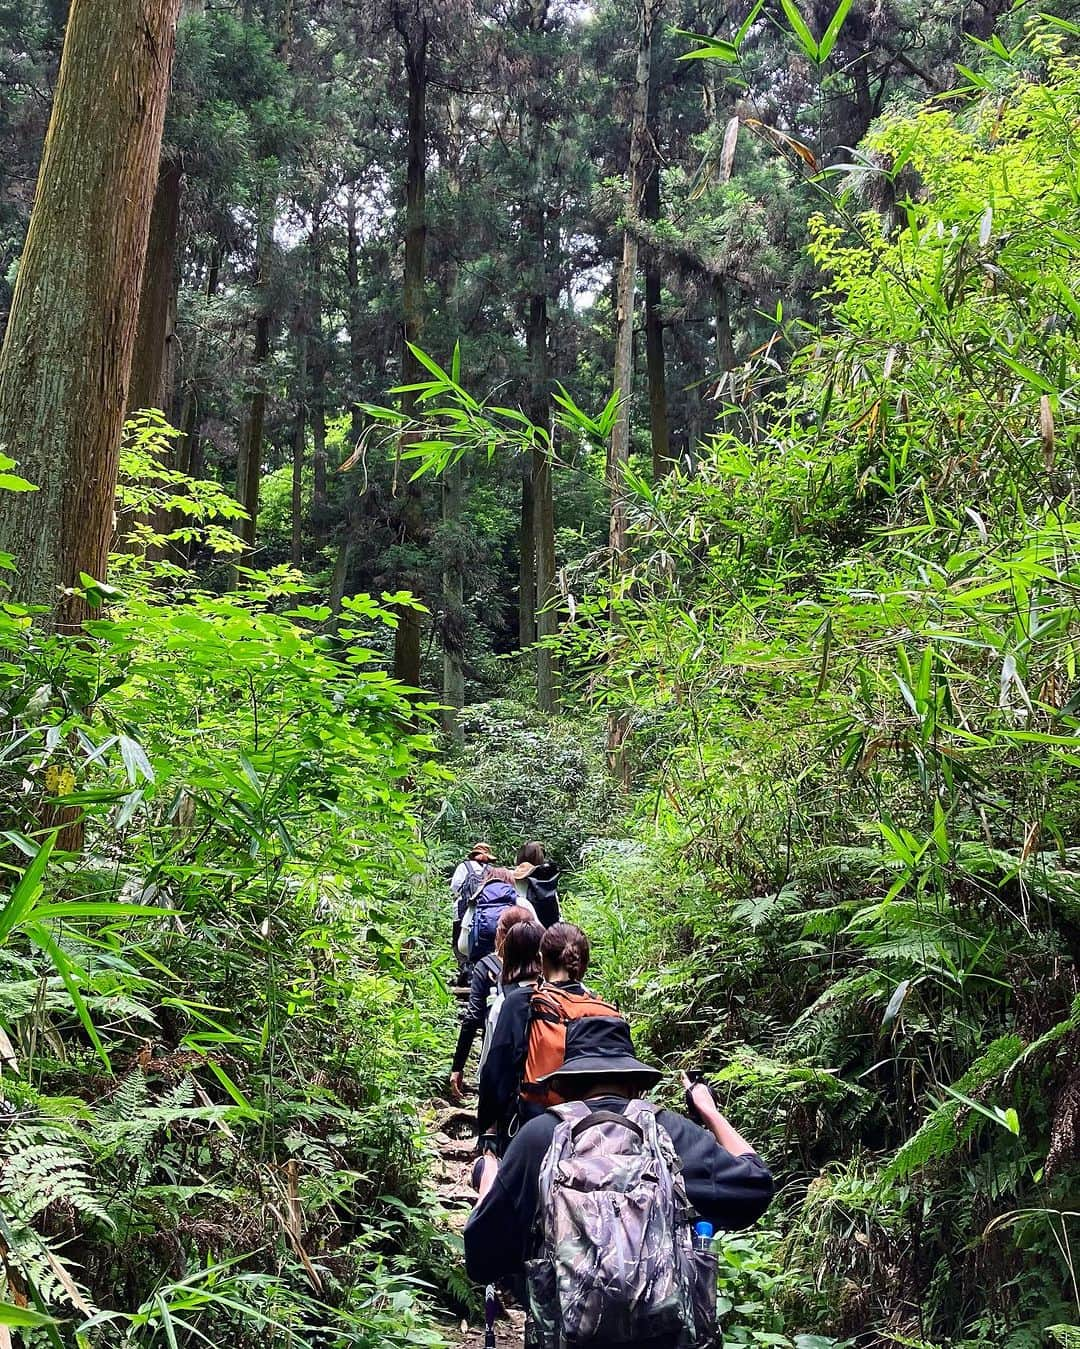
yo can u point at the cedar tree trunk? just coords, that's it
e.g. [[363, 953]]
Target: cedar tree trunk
[[66, 359], [414, 30]]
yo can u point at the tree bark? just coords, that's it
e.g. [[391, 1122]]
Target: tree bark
[[317, 378], [249, 457], [300, 412], [454, 616], [541, 563], [725, 341], [455, 625], [527, 558], [155, 334], [356, 339], [619, 449], [414, 31], [654, 338], [66, 359]]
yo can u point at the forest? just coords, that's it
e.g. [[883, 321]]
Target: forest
[[646, 426]]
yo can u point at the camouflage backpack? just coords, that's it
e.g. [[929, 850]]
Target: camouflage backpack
[[616, 1263]]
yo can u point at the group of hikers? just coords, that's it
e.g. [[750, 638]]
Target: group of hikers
[[595, 1207]]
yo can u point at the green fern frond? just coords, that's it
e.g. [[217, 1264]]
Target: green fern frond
[[938, 1134]]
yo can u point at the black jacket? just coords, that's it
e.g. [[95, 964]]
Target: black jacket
[[485, 975], [728, 1191]]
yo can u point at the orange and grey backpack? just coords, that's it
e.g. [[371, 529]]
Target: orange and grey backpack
[[553, 1013]]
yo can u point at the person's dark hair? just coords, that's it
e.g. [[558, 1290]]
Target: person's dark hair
[[521, 952], [533, 853], [494, 873], [565, 946], [513, 913]]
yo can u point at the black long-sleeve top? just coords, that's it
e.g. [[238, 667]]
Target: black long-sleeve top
[[501, 1075], [727, 1190], [485, 977]]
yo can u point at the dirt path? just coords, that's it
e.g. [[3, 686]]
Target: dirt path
[[455, 1138]]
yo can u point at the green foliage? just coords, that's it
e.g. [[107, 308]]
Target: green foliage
[[522, 776], [846, 651], [212, 1033]]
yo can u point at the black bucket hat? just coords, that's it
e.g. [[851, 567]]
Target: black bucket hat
[[600, 1047]]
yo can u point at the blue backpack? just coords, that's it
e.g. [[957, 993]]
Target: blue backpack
[[487, 902]]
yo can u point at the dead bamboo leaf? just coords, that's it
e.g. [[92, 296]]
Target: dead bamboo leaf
[[8, 1057], [727, 152], [782, 139], [69, 1284], [1031, 840], [1046, 431]]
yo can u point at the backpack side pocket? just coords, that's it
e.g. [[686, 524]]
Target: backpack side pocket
[[704, 1273], [541, 1304]]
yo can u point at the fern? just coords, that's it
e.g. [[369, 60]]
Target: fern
[[44, 1165], [938, 1134]]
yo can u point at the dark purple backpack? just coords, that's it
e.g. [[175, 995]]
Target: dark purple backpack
[[489, 900]]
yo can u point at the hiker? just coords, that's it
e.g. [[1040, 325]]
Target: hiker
[[588, 1208], [537, 880], [486, 976], [466, 874], [521, 969], [531, 1034]]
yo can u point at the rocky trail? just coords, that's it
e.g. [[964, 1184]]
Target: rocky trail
[[454, 1135]]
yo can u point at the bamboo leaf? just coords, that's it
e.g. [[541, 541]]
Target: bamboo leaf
[[25, 894], [828, 39], [800, 30]]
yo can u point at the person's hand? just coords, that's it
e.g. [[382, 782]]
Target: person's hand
[[489, 1169], [457, 1087], [700, 1100]]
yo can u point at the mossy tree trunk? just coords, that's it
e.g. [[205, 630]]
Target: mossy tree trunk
[[66, 360]]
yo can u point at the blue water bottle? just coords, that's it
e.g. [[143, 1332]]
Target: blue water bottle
[[703, 1236]]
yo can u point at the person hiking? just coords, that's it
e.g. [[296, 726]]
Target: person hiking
[[521, 969], [486, 976], [466, 875], [587, 1210], [531, 1034], [537, 880]]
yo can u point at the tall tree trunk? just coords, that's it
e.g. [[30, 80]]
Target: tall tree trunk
[[455, 623], [545, 614], [414, 30], [454, 619], [356, 339], [66, 359], [155, 334], [249, 458], [527, 558], [300, 411], [317, 377], [654, 337], [619, 449], [725, 341], [189, 450]]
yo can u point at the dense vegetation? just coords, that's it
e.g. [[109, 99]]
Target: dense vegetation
[[775, 645]]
